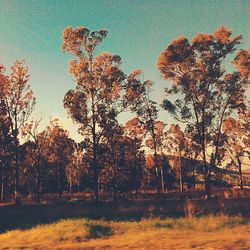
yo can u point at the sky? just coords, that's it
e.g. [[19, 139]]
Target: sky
[[138, 31]]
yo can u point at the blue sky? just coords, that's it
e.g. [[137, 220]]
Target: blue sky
[[138, 31]]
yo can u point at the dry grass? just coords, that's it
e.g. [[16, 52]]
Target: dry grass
[[211, 232]]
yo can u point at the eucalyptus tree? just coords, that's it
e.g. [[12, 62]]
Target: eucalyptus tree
[[237, 144], [207, 93], [138, 94], [98, 96], [6, 141], [19, 102]]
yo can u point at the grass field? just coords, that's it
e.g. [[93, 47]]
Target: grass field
[[129, 224], [210, 232]]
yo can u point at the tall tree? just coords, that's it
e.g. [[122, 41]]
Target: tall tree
[[237, 144], [6, 141], [20, 102], [210, 93], [138, 93], [98, 97], [155, 141]]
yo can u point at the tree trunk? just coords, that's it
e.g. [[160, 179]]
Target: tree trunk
[[181, 181], [194, 181], [114, 192], [96, 186], [2, 198], [207, 185], [162, 180], [96, 176], [114, 173], [95, 166], [240, 173], [42, 187], [1, 181], [60, 181], [206, 172], [157, 172], [70, 188], [38, 184], [17, 188], [2, 190]]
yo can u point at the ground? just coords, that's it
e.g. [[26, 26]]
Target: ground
[[209, 232]]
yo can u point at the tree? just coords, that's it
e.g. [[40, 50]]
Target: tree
[[20, 102], [123, 161], [138, 94], [210, 94], [155, 141], [6, 141], [6, 154], [132, 162], [192, 151], [236, 144], [36, 151], [76, 167], [176, 148], [98, 97], [113, 141], [60, 149]]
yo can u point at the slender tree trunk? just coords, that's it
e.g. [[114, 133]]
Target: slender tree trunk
[[207, 184], [60, 181], [240, 173], [1, 180], [95, 163], [194, 181], [158, 185], [206, 172], [96, 174], [96, 185], [17, 188], [42, 185], [207, 188], [162, 180], [38, 182], [152, 130], [70, 188], [95, 166], [114, 172], [2, 191], [181, 178], [41, 179], [114, 191]]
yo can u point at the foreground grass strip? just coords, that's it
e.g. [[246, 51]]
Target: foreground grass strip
[[218, 232]]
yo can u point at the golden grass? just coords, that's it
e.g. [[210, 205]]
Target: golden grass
[[211, 232]]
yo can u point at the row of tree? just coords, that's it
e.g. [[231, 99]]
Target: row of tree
[[206, 99]]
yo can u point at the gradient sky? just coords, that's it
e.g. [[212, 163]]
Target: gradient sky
[[138, 31]]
